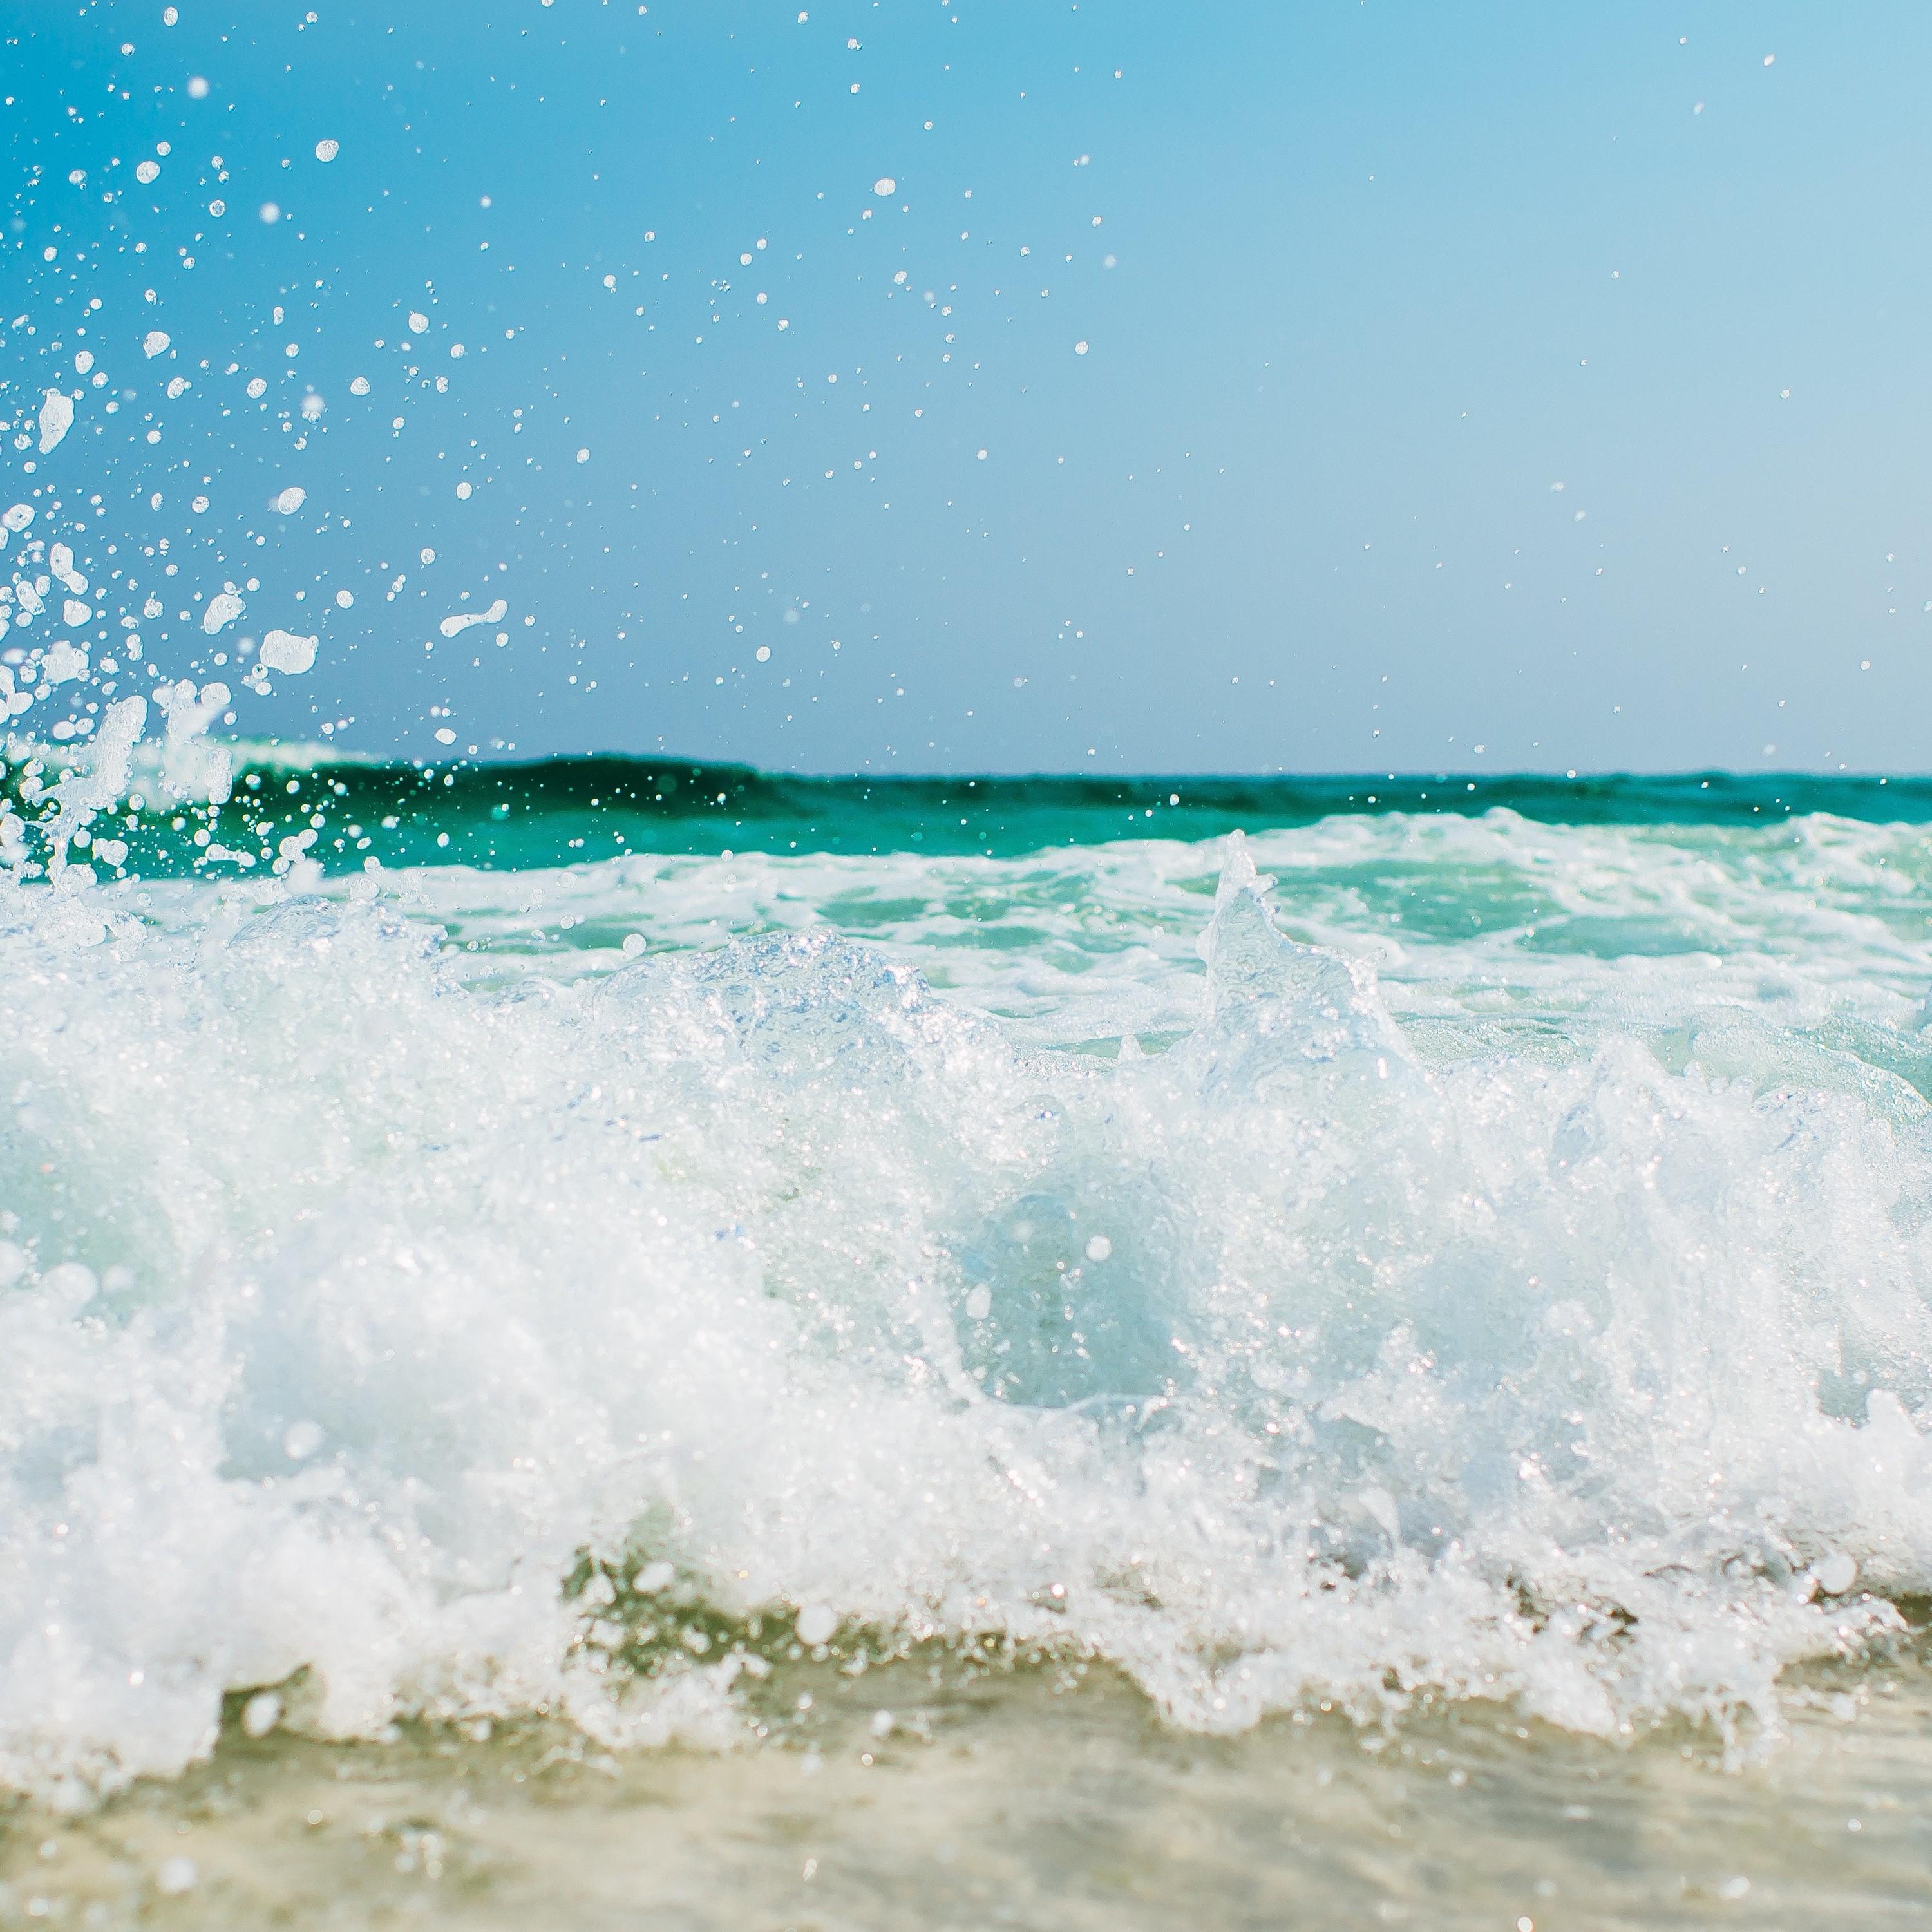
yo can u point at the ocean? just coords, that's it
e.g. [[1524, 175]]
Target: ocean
[[626, 1341]]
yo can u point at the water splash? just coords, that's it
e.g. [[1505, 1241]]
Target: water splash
[[359, 1301]]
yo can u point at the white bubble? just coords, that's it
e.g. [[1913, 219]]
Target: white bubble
[[327, 151], [343, 598], [463, 493], [153, 342], [881, 1724], [291, 500], [445, 736], [257, 386], [633, 945], [270, 212], [653, 1576], [176, 1876], [418, 321], [146, 171], [359, 386], [1080, 349], [74, 1282], [1098, 1248], [764, 654], [978, 1302], [301, 1440], [1836, 1574], [885, 185], [261, 1714], [197, 88], [816, 1624], [583, 456]]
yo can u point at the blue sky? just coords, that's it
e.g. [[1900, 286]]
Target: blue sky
[[1360, 286]]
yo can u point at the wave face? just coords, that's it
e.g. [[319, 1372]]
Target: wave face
[[1493, 1262]]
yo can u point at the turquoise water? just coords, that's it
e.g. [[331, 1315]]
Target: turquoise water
[[567, 810]]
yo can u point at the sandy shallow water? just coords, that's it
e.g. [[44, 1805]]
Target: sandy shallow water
[[1040, 1798]]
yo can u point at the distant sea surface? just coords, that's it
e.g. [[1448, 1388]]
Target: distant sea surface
[[565, 811]]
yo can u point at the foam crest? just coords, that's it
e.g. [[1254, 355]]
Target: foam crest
[[377, 1325]]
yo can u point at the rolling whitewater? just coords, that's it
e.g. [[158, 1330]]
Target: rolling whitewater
[[564, 1261]]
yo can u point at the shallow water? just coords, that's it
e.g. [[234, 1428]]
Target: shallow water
[[919, 1796], [1469, 1270]]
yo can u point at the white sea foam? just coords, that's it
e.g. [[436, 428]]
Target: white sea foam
[[1572, 1352]]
